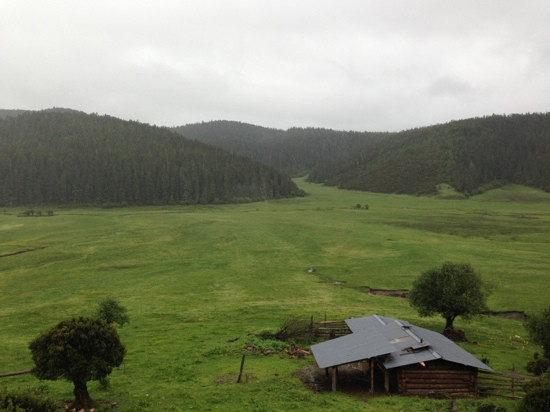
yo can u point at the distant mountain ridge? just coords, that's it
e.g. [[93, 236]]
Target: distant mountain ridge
[[471, 155], [295, 151], [68, 157]]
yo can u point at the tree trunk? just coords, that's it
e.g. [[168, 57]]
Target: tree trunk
[[82, 398], [449, 322]]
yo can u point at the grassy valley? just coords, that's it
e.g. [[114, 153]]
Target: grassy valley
[[198, 280]]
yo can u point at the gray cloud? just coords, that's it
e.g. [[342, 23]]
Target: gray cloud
[[349, 65]]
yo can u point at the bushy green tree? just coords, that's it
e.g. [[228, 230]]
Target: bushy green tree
[[537, 395], [112, 312], [79, 350], [538, 326], [452, 290]]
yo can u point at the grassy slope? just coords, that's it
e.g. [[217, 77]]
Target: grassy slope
[[193, 278]]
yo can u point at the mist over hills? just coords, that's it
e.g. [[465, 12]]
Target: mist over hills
[[295, 151], [471, 155], [67, 157]]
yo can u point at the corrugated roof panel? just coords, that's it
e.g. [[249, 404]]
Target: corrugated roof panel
[[351, 348], [405, 344], [359, 324], [449, 350]]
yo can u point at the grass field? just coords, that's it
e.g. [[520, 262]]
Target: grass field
[[195, 278]]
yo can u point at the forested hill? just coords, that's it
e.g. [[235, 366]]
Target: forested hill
[[54, 157], [5, 113], [471, 155], [295, 151]]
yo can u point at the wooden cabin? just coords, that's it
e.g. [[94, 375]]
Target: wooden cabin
[[401, 358]]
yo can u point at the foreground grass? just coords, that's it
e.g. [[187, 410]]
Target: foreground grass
[[197, 280]]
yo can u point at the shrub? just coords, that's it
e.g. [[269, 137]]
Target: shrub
[[490, 407], [537, 396], [295, 330], [112, 312], [538, 365], [28, 400]]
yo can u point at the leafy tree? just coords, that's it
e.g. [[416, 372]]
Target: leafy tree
[[538, 326], [537, 395], [112, 312], [451, 290], [79, 350], [111, 162]]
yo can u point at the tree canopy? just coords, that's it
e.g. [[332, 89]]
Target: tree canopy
[[471, 155], [111, 311], [79, 350], [538, 326], [451, 290], [72, 158]]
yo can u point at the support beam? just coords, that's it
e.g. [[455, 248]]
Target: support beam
[[334, 377], [387, 381], [371, 366]]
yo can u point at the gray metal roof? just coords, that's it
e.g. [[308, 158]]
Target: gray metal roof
[[351, 348], [402, 343]]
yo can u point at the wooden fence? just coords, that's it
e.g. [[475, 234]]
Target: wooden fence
[[506, 385], [330, 329]]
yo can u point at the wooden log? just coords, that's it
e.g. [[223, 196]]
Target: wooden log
[[435, 371], [430, 391], [328, 322], [3, 375], [439, 380], [438, 386]]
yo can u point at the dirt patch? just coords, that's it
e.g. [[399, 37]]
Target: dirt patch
[[456, 335], [508, 314], [19, 252], [395, 293]]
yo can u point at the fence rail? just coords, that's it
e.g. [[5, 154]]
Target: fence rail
[[506, 385], [4, 375], [330, 328]]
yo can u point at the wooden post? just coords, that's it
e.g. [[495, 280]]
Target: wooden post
[[454, 406], [371, 365], [334, 377], [387, 380], [513, 372], [241, 371]]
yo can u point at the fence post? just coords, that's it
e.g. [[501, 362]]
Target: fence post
[[513, 377], [241, 371]]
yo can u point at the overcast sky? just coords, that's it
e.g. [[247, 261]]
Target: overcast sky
[[381, 65]]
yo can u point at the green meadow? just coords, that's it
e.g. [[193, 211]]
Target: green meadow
[[198, 281]]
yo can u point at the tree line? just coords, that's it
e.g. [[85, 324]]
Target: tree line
[[72, 158], [295, 151], [471, 155]]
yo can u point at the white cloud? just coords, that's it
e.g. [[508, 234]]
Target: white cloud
[[349, 65]]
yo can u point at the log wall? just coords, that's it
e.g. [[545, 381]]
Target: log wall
[[429, 381]]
